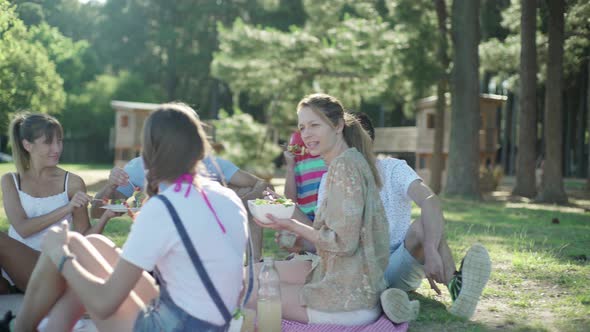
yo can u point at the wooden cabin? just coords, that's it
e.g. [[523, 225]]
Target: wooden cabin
[[129, 119], [425, 123], [399, 142]]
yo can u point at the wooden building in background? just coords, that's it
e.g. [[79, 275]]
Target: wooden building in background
[[419, 140], [129, 119]]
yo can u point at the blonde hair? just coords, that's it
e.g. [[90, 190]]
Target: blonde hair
[[174, 143], [30, 126], [331, 110]]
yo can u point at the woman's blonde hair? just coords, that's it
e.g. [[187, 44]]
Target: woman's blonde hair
[[331, 110], [174, 143], [31, 126]]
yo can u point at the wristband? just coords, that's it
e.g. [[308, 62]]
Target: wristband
[[63, 260]]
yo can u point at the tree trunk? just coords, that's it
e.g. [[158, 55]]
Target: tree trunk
[[588, 126], [436, 167], [552, 190], [581, 125], [463, 168], [527, 138], [507, 139]]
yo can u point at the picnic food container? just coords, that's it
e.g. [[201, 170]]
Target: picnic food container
[[259, 208]]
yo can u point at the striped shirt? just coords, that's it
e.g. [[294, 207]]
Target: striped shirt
[[308, 174]]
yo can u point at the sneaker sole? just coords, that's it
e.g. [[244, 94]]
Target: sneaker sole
[[398, 307], [476, 272]]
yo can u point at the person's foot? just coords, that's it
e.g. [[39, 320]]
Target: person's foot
[[398, 307], [468, 283]]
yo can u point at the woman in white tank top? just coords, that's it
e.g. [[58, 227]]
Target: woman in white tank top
[[38, 196]]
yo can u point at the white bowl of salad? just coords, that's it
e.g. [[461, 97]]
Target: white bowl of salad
[[281, 208]]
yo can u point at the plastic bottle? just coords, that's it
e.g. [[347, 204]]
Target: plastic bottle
[[269, 298]]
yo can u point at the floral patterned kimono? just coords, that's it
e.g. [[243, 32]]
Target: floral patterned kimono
[[353, 246]]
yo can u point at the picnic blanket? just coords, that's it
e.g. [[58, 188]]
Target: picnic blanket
[[381, 325]]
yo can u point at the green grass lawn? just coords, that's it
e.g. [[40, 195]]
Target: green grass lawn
[[540, 278], [540, 270]]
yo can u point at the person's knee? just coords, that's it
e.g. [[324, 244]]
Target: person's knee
[[101, 240], [75, 238]]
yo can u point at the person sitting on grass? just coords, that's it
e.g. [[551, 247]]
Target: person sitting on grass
[[418, 249], [122, 183], [342, 283], [193, 233], [40, 194]]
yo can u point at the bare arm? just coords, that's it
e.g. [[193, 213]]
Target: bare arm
[[431, 214], [290, 186], [243, 179], [17, 217], [117, 177], [248, 186], [80, 219]]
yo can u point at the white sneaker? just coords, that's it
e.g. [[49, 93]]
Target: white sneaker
[[468, 283], [398, 307]]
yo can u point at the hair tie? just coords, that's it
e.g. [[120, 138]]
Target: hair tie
[[184, 177]]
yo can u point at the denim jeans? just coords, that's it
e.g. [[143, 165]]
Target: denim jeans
[[162, 314]]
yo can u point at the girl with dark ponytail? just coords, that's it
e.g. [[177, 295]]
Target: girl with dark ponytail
[[37, 196]]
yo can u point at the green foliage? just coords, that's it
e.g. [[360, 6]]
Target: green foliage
[[169, 43], [415, 23], [577, 44], [28, 78], [359, 51], [246, 142], [30, 13], [89, 113], [341, 50], [68, 56], [502, 57]]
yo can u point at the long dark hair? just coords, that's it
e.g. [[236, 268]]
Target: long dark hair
[[174, 143], [30, 126], [331, 109]]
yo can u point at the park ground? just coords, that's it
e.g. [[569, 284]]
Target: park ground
[[541, 273]]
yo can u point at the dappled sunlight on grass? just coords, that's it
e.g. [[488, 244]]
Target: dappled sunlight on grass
[[540, 273]]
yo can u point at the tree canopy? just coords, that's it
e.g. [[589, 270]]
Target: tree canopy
[[28, 77]]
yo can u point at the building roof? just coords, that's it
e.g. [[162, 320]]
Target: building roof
[[486, 97], [131, 105]]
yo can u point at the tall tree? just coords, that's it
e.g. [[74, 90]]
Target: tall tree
[[527, 136], [436, 167], [28, 79], [463, 169], [552, 190]]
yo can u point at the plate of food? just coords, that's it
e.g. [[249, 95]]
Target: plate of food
[[132, 204], [279, 207], [119, 208]]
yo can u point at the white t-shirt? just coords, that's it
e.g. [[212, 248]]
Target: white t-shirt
[[396, 176], [155, 242]]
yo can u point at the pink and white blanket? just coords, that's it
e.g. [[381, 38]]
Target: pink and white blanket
[[381, 325]]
